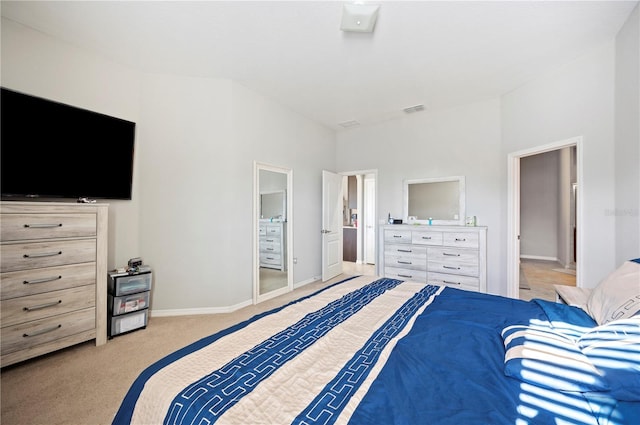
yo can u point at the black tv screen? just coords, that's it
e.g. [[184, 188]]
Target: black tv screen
[[53, 150]]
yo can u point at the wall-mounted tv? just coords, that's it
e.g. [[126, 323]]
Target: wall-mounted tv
[[53, 150]]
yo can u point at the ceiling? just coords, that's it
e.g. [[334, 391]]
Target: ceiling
[[435, 53]]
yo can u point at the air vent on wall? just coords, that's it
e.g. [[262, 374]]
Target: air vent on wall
[[412, 109], [347, 124]]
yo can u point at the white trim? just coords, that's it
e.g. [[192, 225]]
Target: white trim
[[197, 311], [306, 282], [513, 210], [538, 257], [257, 166]]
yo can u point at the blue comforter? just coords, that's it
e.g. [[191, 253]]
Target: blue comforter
[[435, 357]]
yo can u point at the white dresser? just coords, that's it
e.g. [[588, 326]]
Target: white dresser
[[53, 277], [455, 256], [273, 248]]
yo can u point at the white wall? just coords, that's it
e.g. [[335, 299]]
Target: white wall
[[574, 100], [40, 65], [269, 133], [627, 136], [463, 140], [196, 140], [539, 206]]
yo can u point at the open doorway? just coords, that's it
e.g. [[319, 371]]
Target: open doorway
[[544, 217], [359, 222]]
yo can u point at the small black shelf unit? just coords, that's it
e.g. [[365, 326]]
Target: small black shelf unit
[[128, 300]]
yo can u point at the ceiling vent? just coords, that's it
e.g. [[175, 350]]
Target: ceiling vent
[[412, 109], [347, 124]]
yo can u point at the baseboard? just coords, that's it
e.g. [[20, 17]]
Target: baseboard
[[217, 310], [195, 311], [306, 282], [537, 257]]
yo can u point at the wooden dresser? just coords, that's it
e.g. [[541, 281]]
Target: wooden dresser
[[441, 255], [52, 277]]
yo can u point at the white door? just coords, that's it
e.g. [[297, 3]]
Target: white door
[[369, 221], [331, 225]]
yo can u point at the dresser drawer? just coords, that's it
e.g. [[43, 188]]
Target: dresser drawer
[[274, 259], [397, 236], [405, 261], [273, 230], [35, 281], [23, 256], [31, 334], [426, 238], [452, 260], [39, 306], [19, 227], [405, 274], [405, 250], [462, 240], [270, 245], [461, 282]]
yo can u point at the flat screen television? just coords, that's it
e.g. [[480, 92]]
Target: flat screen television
[[53, 150]]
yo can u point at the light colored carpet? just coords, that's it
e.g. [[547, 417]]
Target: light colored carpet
[[85, 384]]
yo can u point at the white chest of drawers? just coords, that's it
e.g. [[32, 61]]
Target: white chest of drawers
[[440, 255], [52, 277], [273, 251]]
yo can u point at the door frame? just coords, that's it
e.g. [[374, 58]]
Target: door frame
[[513, 210], [257, 166]]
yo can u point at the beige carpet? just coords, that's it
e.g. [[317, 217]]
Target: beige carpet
[[85, 384]]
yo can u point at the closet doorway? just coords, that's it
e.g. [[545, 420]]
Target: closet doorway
[[544, 213]]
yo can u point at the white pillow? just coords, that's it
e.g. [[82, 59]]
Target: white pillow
[[618, 295]]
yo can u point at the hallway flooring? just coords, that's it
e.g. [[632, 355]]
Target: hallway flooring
[[537, 278]]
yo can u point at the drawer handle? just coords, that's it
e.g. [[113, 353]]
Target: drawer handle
[[452, 268], [269, 249], [42, 331], [270, 258], [269, 240], [397, 236], [42, 254], [41, 306], [404, 262], [404, 250], [427, 238], [450, 255], [450, 283], [460, 240], [43, 280], [42, 225], [405, 276]]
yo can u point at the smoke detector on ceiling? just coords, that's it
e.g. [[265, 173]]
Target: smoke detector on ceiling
[[358, 17]]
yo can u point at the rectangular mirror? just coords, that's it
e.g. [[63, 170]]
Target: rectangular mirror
[[273, 205], [440, 199]]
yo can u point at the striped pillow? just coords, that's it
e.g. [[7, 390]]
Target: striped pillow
[[545, 358], [614, 349]]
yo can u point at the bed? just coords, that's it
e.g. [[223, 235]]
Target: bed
[[371, 350]]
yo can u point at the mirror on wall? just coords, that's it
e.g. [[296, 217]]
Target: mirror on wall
[[440, 199], [272, 206]]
